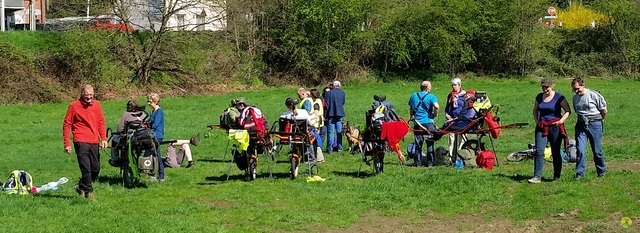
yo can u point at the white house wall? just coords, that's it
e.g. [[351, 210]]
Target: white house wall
[[139, 10]]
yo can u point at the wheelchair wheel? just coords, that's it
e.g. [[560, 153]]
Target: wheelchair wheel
[[518, 156], [128, 178], [378, 161], [473, 144], [252, 167], [294, 167]]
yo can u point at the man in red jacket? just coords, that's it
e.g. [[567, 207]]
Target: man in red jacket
[[84, 119]]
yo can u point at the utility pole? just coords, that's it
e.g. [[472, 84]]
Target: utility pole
[[88, 7], [32, 16]]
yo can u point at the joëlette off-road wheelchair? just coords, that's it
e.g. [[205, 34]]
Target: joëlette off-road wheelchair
[[485, 123], [251, 125], [296, 134], [137, 151], [383, 131]]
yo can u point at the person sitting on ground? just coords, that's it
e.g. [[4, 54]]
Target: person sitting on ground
[[132, 115], [173, 159]]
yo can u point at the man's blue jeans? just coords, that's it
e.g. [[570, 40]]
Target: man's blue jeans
[[554, 137], [334, 130], [593, 132], [424, 137]]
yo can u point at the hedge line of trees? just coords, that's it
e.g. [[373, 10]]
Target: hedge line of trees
[[320, 38], [314, 41]]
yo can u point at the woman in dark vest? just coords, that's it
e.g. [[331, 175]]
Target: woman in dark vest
[[547, 113]]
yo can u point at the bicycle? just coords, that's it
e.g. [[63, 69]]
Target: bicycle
[[530, 153]]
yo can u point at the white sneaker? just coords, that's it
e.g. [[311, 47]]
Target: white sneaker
[[534, 180]]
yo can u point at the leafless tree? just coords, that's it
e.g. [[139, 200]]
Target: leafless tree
[[153, 19]]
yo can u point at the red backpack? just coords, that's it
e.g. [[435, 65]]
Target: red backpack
[[253, 121], [494, 126], [486, 159]]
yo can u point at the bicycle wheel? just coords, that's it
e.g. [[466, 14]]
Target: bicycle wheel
[[518, 156]]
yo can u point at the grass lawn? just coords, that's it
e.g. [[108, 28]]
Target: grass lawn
[[403, 199]]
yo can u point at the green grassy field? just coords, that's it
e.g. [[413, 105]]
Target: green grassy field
[[400, 200]]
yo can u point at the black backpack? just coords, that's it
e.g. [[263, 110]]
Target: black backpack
[[144, 139]]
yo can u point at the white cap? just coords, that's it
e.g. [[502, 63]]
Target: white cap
[[456, 81], [336, 83]]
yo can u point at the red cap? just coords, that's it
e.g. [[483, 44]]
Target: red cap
[[471, 92]]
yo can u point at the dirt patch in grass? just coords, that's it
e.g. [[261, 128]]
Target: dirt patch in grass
[[433, 222], [631, 165]]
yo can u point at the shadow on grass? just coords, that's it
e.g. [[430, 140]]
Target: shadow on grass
[[50, 195], [117, 181], [214, 160], [214, 180], [515, 177], [363, 174]]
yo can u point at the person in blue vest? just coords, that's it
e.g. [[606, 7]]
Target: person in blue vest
[[549, 117], [335, 100], [157, 124], [423, 109]]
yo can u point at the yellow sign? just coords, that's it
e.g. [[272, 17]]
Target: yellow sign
[[625, 222]]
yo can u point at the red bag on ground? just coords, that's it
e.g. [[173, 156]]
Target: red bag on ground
[[486, 159]]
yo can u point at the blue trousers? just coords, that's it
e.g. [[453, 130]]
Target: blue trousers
[[593, 132], [424, 137], [334, 130], [555, 139]]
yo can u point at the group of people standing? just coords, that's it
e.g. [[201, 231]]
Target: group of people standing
[[550, 111], [324, 112], [85, 120]]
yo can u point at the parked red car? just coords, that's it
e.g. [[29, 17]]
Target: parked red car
[[110, 23]]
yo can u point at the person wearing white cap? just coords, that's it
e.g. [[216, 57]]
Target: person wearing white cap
[[455, 103], [335, 100]]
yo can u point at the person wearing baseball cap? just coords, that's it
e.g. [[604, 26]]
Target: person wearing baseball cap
[[455, 103], [547, 113]]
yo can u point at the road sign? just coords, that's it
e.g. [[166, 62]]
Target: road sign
[[551, 10]]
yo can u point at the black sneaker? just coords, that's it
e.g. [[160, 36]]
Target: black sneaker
[[114, 163], [80, 192], [195, 140], [601, 175], [191, 164]]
